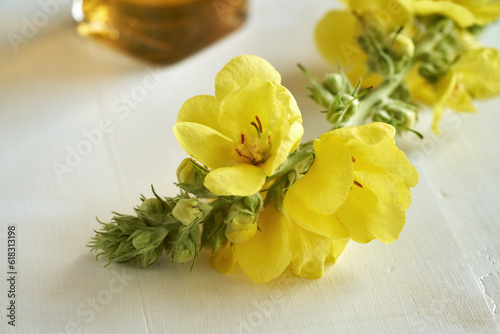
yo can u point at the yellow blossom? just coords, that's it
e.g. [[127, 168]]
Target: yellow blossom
[[366, 200], [474, 76], [245, 131], [465, 13], [364, 193]]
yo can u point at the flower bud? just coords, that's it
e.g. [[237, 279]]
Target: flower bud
[[338, 83], [181, 254], [188, 210], [186, 172], [253, 203], [401, 45], [240, 232], [152, 206]]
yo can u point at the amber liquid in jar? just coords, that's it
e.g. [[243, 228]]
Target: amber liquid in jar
[[162, 31]]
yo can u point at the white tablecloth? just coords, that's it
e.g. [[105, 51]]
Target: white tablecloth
[[441, 276]]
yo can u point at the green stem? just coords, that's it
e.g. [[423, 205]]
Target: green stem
[[383, 91]]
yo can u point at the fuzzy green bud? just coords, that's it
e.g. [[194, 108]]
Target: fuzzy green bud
[[186, 172], [188, 210], [253, 203], [185, 247], [337, 83], [342, 109], [153, 206], [401, 115], [181, 254]]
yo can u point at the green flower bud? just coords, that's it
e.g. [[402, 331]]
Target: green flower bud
[[338, 83], [152, 206], [188, 210], [253, 203], [401, 45], [342, 109], [181, 255], [240, 232], [186, 172], [185, 247], [217, 241]]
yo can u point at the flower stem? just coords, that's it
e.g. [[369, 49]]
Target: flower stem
[[382, 92]]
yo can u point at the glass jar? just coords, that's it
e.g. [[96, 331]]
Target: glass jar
[[162, 31]]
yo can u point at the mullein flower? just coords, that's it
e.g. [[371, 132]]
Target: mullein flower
[[244, 132], [364, 193], [473, 76]]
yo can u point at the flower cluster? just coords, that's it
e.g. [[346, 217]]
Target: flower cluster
[[256, 197], [413, 50]]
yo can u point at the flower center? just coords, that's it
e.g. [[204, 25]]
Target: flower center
[[253, 148]]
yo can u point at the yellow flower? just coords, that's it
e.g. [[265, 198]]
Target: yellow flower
[[474, 76], [465, 13], [245, 131], [366, 190], [364, 194]]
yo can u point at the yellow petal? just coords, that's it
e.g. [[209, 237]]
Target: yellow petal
[[480, 69], [242, 108], [309, 251], [204, 144], [461, 15], [387, 13], [485, 11], [326, 185], [238, 180], [337, 247], [288, 143], [368, 218], [325, 225], [379, 164], [444, 89], [223, 259], [421, 90], [268, 254], [240, 70], [376, 204], [202, 109], [335, 37]]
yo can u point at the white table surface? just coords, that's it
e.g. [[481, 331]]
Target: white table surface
[[441, 276]]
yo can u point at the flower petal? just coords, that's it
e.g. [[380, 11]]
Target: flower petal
[[202, 109], [485, 11], [240, 70], [337, 247], [205, 144], [310, 251], [461, 15], [268, 254], [480, 69], [288, 144], [242, 108], [326, 225], [334, 45], [223, 259], [238, 180], [379, 164], [367, 217]]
